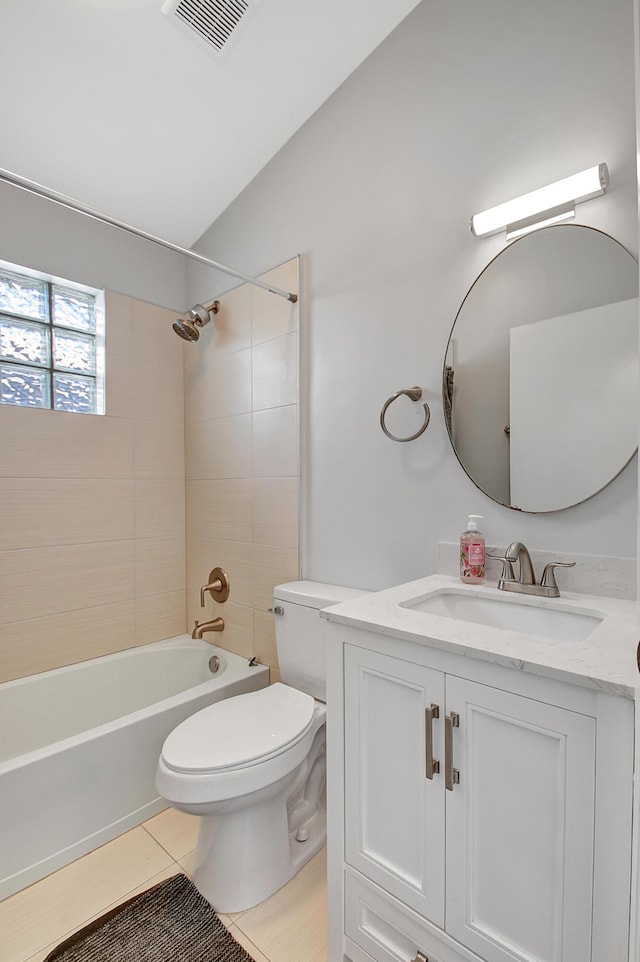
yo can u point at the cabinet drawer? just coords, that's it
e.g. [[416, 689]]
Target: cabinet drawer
[[389, 932]]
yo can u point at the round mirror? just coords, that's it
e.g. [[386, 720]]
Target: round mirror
[[540, 382]]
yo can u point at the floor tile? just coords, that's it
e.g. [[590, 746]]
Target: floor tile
[[175, 831], [247, 944], [187, 864], [63, 902], [288, 927], [173, 869], [291, 925]]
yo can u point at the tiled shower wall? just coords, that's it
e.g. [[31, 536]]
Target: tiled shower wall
[[92, 509], [241, 432], [92, 526]]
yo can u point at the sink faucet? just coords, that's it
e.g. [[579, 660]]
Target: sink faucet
[[216, 625], [517, 551], [525, 583]]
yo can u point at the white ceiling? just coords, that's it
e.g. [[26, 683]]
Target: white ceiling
[[108, 101]]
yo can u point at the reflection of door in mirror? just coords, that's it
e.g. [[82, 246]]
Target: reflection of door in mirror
[[572, 378], [565, 283]]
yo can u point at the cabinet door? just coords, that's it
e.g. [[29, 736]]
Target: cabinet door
[[520, 827], [394, 813]]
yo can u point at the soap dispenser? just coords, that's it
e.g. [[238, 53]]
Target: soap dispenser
[[472, 552]]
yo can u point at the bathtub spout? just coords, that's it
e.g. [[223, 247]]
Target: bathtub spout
[[216, 625]]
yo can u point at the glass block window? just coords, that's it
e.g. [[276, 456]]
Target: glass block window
[[51, 343]]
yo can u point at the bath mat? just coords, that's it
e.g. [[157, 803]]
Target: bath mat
[[170, 922]]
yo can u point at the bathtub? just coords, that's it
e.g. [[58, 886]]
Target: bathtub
[[79, 747]]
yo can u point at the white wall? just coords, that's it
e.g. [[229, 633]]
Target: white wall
[[466, 105]]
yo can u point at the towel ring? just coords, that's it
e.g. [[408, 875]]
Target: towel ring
[[415, 393]]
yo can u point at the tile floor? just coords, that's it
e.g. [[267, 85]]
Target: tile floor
[[288, 927]]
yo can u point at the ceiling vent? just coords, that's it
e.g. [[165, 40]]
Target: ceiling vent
[[214, 21]]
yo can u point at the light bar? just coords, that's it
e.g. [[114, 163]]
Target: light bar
[[526, 212]]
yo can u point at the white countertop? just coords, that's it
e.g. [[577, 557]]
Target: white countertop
[[605, 660]]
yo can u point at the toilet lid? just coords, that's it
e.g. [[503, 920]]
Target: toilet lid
[[239, 730]]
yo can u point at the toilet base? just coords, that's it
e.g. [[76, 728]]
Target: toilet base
[[239, 863]]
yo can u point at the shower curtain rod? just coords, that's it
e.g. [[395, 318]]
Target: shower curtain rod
[[33, 188]]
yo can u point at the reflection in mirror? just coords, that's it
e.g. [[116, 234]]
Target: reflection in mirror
[[540, 383]]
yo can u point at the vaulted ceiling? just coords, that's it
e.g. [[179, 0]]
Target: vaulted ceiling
[[111, 102]]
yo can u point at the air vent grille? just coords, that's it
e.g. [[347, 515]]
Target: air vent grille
[[213, 20]]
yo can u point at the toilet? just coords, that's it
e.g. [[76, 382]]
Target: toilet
[[253, 766]]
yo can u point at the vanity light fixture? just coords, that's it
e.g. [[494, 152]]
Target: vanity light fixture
[[539, 208]]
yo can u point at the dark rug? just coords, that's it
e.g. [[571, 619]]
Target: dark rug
[[170, 922]]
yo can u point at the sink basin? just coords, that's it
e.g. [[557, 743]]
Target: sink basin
[[543, 621]]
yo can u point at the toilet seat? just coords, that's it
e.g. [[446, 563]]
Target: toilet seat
[[239, 732]]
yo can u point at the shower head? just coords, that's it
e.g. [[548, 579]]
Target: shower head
[[186, 329], [199, 316]]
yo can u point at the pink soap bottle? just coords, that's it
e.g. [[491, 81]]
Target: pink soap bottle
[[472, 552]]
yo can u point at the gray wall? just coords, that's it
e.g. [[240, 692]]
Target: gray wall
[[44, 236], [466, 105]]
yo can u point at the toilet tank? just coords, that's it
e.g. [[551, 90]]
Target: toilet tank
[[301, 632]]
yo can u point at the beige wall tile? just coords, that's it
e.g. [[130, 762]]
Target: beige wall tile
[[36, 512], [158, 392], [159, 509], [238, 629], [264, 639], [78, 491], [275, 442], [274, 316], [234, 556], [159, 450], [238, 623], [61, 903], [220, 448], [160, 565], [249, 528], [120, 386], [192, 350], [118, 324], [38, 644], [275, 511], [158, 365], [220, 509], [196, 613], [153, 335], [159, 616], [35, 582], [275, 372], [55, 444], [272, 566], [219, 387], [232, 330]]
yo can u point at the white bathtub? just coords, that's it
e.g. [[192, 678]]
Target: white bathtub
[[79, 747]]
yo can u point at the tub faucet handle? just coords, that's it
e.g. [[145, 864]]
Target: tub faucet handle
[[217, 586]]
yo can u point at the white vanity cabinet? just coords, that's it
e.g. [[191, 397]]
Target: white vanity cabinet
[[486, 811]]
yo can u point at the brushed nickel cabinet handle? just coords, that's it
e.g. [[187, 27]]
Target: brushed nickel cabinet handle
[[451, 774], [432, 764]]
